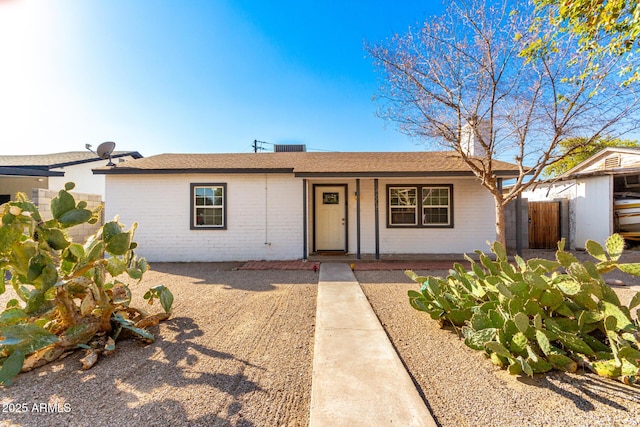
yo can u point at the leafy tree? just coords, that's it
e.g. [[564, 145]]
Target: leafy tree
[[462, 74], [604, 28], [578, 151], [69, 295]]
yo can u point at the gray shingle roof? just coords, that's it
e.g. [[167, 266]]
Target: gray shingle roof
[[56, 160], [308, 164]]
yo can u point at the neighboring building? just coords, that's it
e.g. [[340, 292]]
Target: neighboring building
[[52, 171], [588, 194], [288, 205]]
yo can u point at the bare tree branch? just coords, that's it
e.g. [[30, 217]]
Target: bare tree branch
[[464, 72]]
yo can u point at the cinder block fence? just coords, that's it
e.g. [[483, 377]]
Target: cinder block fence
[[42, 198]]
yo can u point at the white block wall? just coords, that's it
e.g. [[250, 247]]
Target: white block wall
[[264, 216], [78, 233], [81, 174], [473, 222], [474, 219]]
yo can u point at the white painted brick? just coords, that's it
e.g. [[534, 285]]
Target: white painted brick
[[42, 198], [268, 209], [259, 209]]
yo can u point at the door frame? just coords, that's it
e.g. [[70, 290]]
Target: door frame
[[346, 216]]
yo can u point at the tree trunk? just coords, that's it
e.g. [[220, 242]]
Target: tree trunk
[[500, 225]]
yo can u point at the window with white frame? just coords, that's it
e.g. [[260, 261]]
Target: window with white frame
[[403, 205], [420, 205], [208, 206], [436, 207]]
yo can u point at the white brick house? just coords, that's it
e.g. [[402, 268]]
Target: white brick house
[[280, 206]]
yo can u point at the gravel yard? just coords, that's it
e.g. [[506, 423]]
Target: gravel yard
[[463, 388], [238, 351]]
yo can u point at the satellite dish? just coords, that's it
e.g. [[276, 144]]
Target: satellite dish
[[104, 151]]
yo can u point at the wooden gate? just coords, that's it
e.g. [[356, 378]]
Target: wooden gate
[[544, 225]]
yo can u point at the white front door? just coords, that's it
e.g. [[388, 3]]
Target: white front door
[[330, 214]]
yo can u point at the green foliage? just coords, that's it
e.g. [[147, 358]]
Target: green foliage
[[603, 29], [162, 293], [68, 294], [535, 316], [577, 150]]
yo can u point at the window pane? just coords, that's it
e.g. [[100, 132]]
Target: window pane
[[433, 196], [330, 198], [436, 216], [217, 196], [403, 196], [209, 216], [406, 216], [201, 216], [209, 196], [217, 217], [204, 191]]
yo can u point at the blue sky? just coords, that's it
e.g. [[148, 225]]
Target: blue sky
[[196, 76]]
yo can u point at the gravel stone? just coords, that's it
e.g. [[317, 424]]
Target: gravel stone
[[237, 351], [463, 388]]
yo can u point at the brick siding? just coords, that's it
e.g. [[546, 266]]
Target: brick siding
[[42, 198]]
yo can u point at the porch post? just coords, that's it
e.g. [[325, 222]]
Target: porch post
[[376, 217], [357, 218], [305, 222]]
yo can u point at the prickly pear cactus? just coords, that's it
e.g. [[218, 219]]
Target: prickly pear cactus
[[68, 294], [537, 315]]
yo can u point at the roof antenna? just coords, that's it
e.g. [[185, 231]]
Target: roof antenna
[[103, 151]]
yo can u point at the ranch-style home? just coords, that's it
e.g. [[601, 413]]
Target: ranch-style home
[[289, 205]]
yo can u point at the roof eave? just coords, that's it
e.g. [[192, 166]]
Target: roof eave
[[399, 174], [617, 172], [133, 154], [28, 172], [133, 171], [362, 174]]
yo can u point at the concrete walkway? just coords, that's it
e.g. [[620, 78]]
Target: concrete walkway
[[358, 379]]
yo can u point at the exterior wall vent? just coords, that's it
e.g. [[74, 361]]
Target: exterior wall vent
[[289, 148], [612, 162]]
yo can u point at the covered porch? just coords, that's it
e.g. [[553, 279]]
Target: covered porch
[[394, 216]]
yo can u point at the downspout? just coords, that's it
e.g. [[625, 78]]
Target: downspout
[[376, 217], [358, 218], [305, 225], [266, 210]]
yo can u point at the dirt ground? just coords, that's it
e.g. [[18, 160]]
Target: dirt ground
[[463, 388], [238, 351]]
